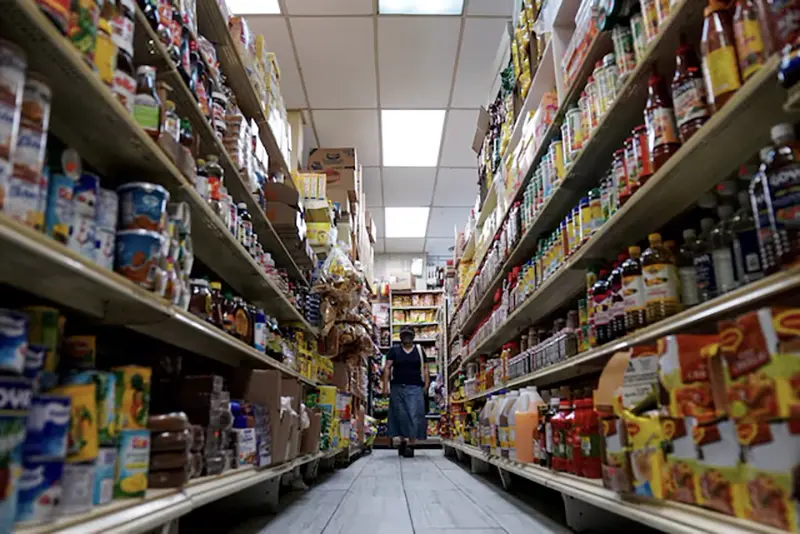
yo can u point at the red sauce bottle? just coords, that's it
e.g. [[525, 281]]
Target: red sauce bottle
[[659, 116], [688, 92]]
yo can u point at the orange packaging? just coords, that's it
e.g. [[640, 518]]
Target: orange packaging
[[683, 484], [761, 351], [685, 373], [720, 474]]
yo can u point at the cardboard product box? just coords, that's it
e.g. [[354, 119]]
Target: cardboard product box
[[337, 158], [291, 387], [309, 442], [340, 196], [284, 215], [404, 281], [320, 234], [341, 376], [283, 194]]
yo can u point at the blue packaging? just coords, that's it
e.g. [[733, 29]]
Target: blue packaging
[[35, 356], [82, 236], [104, 475], [47, 427], [39, 490], [85, 195], [107, 208], [137, 256], [15, 401], [13, 339], [142, 206], [59, 210]]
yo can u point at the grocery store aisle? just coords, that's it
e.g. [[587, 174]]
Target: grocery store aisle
[[384, 494]]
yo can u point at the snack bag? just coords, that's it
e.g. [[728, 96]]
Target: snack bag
[[685, 374], [682, 484], [648, 465], [720, 474]]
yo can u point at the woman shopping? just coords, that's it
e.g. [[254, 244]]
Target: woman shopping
[[406, 371]]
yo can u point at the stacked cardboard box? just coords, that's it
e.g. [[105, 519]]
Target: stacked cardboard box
[[286, 212], [344, 174]]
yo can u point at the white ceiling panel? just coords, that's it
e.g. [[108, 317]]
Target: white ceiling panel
[[459, 130], [443, 221], [405, 244], [474, 76], [328, 7], [498, 8], [346, 128], [416, 58], [456, 187], [439, 246], [378, 247], [373, 188], [379, 217], [337, 57], [276, 37], [408, 186]]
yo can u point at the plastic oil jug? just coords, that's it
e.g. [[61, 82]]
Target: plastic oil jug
[[494, 425], [526, 419]]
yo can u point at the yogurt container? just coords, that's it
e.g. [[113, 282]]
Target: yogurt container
[[47, 427], [104, 475], [39, 490], [13, 340], [137, 255], [107, 209], [77, 489], [82, 236], [142, 206], [105, 241], [15, 401], [85, 194]]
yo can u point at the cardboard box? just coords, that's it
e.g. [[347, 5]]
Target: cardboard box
[[404, 281], [343, 172], [341, 376], [283, 194], [281, 214], [309, 441], [325, 158], [291, 387]]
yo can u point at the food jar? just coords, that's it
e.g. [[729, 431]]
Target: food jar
[[625, 55], [200, 301], [621, 176], [640, 146]]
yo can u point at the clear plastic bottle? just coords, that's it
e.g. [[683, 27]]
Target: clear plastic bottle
[[722, 251], [633, 291], [761, 213], [686, 270], [660, 281], [704, 262], [783, 180], [745, 242]]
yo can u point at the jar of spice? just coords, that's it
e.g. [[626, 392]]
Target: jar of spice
[[688, 92], [720, 63], [662, 135], [596, 209], [599, 99], [610, 80]]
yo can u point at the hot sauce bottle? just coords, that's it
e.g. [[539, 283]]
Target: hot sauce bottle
[[688, 92], [720, 63], [749, 40], [662, 134]]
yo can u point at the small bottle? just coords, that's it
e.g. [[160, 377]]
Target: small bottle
[[201, 180], [762, 213], [688, 92], [260, 331], [686, 270], [720, 63], [172, 123], [147, 105], [704, 262], [749, 40], [780, 186], [243, 321], [662, 133], [745, 242], [228, 314], [633, 291], [722, 251], [245, 230], [601, 301], [215, 177], [660, 281], [617, 298], [217, 304]]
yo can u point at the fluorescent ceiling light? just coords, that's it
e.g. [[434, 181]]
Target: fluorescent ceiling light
[[411, 138], [406, 222], [254, 7], [420, 7]]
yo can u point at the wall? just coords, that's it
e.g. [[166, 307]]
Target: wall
[[390, 264]]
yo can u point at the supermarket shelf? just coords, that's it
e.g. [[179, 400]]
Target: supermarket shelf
[[101, 129], [161, 506], [665, 516], [40, 265], [417, 291], [695, 168], [150, 50], [415, 307], [413, 324]]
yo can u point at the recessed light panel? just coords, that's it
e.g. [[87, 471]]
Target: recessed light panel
[[420, 7], [411, 138], [254, 7], [406, 222]]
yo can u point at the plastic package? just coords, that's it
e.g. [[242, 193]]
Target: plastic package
[[171, 441]]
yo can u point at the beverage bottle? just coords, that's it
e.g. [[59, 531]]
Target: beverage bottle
[[688, 92], [750, 46], [780, 186], [245, 229], [633, 291], [601, 300], [762, 215], [720, 63], [745, 242], [547, 461], [704, 262], [686, 271], [617, 306], [722, 251], [660, 281]]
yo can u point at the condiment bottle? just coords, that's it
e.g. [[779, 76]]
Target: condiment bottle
[[650, 14], [245, 225], [186, 137], [217, 304], [782, 22], [660, 281], [688, 92], [172, 123], [783, 180], [215, 177], [720, 64], [229, 314], [704, 261], [662, 135], [686, 270], [243, 321], [749, 41], [147, 105], [621, 176], [642, 150], [617, 297], [601, 302], [633, 291]]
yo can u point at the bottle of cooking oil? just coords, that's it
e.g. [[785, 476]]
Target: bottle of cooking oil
[[633, 291], [660, 281]]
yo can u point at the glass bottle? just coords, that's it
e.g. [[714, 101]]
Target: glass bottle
[[686, 270], [176, 34], [172, 123], [722, 251], [105, 52], [745, 242], [147, 105], [616, 294], [215, 177], [245, 230], [662, 134], [633, 291], [601, 301], [217, 305], [780, 186], [186, 137], [242, 321], [749, 40], [704, 262], [660, 281], [720, 64], [688, 92]]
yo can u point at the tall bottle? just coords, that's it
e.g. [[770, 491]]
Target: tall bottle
[[660, 281], [555, 398], [704, 262], [762, 215], [722, 251], [617, 298], [686, 270], [720, 63], [659, 115], [600, 297], [633, 291], [747, 31], [688, 92], [783, 203], [745, 242]]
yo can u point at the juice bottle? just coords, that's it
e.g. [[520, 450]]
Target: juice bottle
[[720, 63], [686, 271], [749, 40], [521, 428], [601, 300], [550, 451], [662, 133], [505, 417], [780, 193], [660, 281], [763, 215], [688, 92], [617, 323], [633, 291]]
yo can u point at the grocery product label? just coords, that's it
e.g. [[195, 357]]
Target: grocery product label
[[122, 34], [39, 489], [641, 376], [132, 465], [661, 128], [633, 292], [650, 13], [82, 444], [77, 485], [706, 279], [690, 101], [104, 476], [660, 283], [721, 70], [22, 201], [146, 112], [723, 268], [785, 195], [47, 427], [124, 88], [749, 46], [786, 15], [746, 255], [689, 293]]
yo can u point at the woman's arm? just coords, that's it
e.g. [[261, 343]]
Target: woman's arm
[[387, 373], [426, 377]]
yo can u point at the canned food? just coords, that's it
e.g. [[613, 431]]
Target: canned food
[[47, 428], [143, 206], [137, 254]]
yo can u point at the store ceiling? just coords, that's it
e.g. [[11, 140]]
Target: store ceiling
[[343, 64]]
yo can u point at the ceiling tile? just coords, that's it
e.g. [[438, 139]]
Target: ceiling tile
[[337, 57], [459, 131], [327, 7], [276, 37], [378, 247], [444, 221], [416, 56], [456, 187], [350, 128], [439, 246], [378, 216], [373, 188], [309, 139], [478, 51], [408, 186], [499, 8], [405, 244]]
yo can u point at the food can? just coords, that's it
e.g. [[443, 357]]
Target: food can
[[105, 243], [143, 206], [82, 444], [77, 489], [82, 237], [104, 469], [137, 254], [107, 209], [13, 340], [12, 81], [59, 211], [624, 53], [133, 463], [15, 400], [133, 390], [47, 428], [39, 490], [86, 195], [44, 328], [105, 399]]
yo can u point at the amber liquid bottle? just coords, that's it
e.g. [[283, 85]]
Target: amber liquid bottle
[[633, 291], [661, 293], [720, 62], [688, 92], [747, 30], [662, 133]]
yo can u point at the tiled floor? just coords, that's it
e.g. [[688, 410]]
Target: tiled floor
[[384, 494]]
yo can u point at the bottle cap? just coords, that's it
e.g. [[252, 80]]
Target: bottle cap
[[782, 131], [634, 251], [725, 211], [241, 206], [689, 234]]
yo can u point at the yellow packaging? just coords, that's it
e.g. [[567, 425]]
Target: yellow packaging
[[327, 395], [683, 484], [720, 474], [319, 233], [133, 462], [648, 464], [83, 442], [133, 396]]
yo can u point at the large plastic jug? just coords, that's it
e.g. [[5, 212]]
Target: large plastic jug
[[520, 406], [494, 416], [527, 421], [483, 425], [506, 413]]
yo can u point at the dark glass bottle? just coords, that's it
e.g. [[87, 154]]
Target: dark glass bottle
[[662, 133], [688, 92], [600, 297], [616, 294], [633, 291]]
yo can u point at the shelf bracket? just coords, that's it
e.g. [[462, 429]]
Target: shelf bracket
[[505, 478], [583, 517], [272, 491]]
